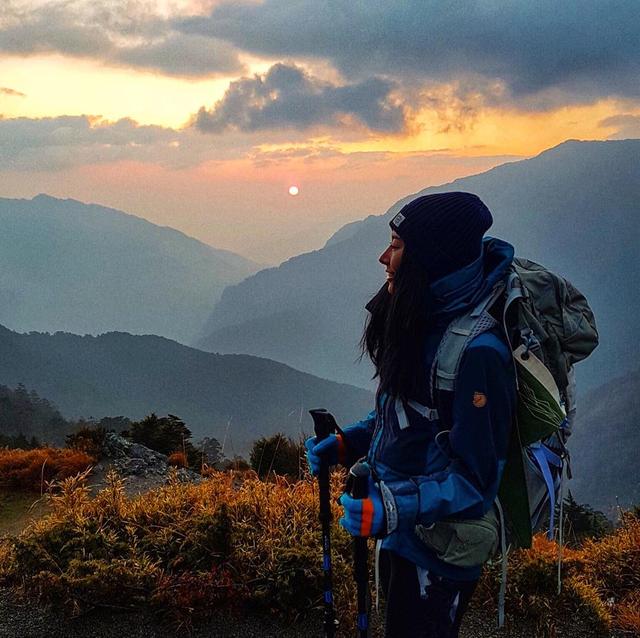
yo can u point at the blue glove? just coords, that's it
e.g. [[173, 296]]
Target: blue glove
[[366, 516], [330, 451]]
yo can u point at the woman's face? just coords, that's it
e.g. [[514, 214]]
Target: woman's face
[[391, 259]]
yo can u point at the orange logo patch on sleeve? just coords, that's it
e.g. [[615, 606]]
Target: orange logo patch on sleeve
[[479, 399]]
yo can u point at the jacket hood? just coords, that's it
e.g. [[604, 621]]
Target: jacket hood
[[464, 288]]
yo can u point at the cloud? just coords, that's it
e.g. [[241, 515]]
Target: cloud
[[58, 143], [627, 125], [11, 92], [583, 49], [288, 97], [54, 143], [175, 54], [307, 154], [123, 33]]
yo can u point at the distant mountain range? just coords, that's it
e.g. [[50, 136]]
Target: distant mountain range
[[242, 398], [121, 374], [574, 208], [69, 266], [605, 446]]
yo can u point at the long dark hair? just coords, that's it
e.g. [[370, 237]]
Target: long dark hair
[[395, 331]]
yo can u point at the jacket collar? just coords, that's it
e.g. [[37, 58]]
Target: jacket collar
[[462, 289]]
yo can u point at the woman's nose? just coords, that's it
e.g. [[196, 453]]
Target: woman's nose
[[384, 258]]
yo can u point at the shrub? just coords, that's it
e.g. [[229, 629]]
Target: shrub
[[583, 522], [278, 454], [177, 459], [627, 617], [236, 464], [210, 451], [87, 439], [31, 469], [19, 441], [166, 435], [162, 434]]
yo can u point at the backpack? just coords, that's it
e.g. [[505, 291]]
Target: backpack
[[549, 327]]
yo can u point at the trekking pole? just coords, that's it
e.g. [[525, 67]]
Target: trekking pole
[[324, 424], [358, 488]]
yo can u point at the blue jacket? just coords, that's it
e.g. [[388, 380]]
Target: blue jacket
[[458, 474]]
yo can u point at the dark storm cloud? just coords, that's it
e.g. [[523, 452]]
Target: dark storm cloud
[[587, 49], [120, 33], [287, 97]]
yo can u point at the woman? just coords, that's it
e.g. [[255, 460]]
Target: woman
[[429, 467]]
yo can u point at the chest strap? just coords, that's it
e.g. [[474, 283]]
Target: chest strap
[[431, 414]]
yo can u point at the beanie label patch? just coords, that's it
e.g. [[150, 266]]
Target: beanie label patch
[[398, 219]]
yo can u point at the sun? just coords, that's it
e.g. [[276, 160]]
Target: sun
[[293, 190]]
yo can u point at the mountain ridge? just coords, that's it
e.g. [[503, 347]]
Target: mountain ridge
[[44, 197], [86, 268], [604, 446]]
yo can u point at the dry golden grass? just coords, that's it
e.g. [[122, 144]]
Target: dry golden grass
[[600, 583], [32, 469], [627, 618], [184, 549]]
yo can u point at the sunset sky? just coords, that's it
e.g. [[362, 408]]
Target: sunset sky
[[202, 114]]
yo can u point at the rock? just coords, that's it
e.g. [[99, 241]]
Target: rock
[[136, 460], [115, 446], [186, 476]]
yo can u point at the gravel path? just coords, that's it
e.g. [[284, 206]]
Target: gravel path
[[27, 620]]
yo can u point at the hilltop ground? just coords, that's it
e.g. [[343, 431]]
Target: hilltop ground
[[147, 470]]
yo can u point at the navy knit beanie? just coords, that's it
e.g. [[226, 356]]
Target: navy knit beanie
[[443, 232]]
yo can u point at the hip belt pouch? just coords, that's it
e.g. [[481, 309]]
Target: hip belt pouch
[[462, 542]]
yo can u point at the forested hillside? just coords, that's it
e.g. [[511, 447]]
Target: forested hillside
[[217, 395]]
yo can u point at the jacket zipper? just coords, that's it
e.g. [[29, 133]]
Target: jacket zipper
[[377, 433]]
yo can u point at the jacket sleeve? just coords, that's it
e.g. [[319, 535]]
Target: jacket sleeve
[[482, 417], [358, 439]]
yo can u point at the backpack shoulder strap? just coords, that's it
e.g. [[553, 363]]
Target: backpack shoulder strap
[[457, 336]]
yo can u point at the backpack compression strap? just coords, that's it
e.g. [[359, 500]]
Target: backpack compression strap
[[454, 342]]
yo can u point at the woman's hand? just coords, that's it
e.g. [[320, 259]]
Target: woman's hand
[[366, 516], [329, 451]]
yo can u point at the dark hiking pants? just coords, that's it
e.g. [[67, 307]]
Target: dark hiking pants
[[408, 614]]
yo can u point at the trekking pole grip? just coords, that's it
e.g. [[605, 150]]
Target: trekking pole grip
[[358, 488], [324, 424], [358, 481]]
